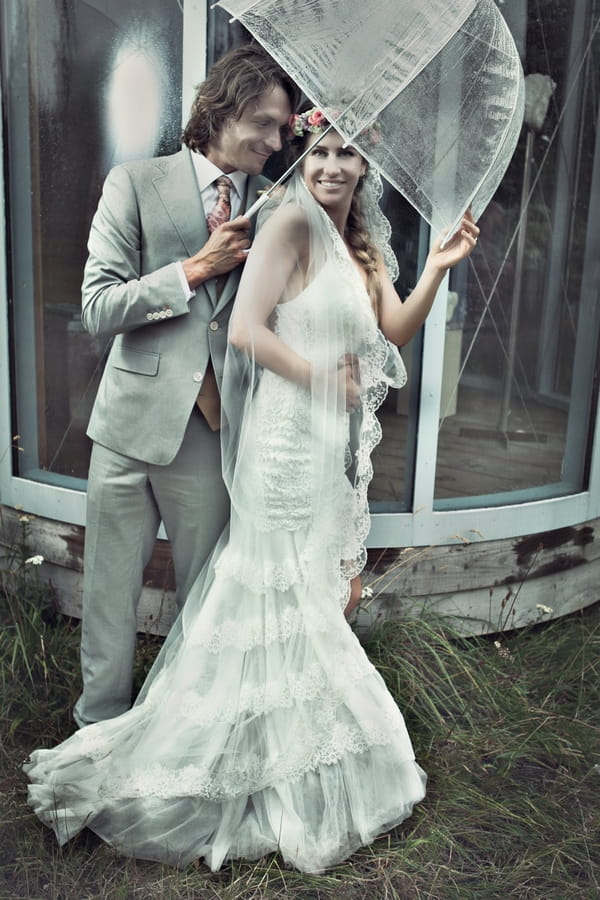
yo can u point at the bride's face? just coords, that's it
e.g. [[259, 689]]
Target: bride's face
[[331, 171]]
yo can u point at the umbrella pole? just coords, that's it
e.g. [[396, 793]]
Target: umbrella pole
[[264, 197]]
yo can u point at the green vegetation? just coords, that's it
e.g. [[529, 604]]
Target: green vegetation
[[507, 728]]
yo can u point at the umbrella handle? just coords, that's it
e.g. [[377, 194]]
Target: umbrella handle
[[258, 204]]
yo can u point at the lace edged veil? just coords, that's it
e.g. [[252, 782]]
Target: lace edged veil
[[330, 315], [296, 464]]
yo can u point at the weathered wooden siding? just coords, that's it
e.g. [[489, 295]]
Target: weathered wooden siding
[[483, 586], [489, 586]]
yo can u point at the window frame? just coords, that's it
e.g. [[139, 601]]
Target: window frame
[[425, 524]]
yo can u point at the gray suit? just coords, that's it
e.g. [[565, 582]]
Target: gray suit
[[154, 456]]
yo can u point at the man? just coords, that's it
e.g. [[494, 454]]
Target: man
[[165, 253]]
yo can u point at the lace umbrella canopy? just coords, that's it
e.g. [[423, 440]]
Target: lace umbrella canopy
[[441, 81]]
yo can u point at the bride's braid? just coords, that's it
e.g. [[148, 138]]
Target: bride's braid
[[359, 240]]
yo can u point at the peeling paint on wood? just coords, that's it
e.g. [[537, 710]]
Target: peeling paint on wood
[[527, 547]]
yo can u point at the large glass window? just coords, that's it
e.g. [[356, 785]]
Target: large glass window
[[518, 375], [91, 83], [86, 85]]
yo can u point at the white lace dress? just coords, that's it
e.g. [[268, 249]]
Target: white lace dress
[[265, 727]]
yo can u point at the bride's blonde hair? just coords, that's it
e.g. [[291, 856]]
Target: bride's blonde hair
[[359, 239]]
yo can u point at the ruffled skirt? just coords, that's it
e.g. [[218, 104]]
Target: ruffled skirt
[[262, 727]]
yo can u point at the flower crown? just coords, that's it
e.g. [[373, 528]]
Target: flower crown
[[315, 120], [310, 122]]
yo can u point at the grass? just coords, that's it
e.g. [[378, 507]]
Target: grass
[[508, 730]]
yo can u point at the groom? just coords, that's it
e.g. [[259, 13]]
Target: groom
[[166, 248]]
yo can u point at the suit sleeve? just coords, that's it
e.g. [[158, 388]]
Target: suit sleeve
[[116, 296]]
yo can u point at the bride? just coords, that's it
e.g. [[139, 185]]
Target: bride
[[262, 726]]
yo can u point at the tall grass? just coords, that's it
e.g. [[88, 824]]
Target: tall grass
[[507, 728]]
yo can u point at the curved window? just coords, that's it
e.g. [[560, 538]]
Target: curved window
[[97, 85], [498, 419], [508, 392]]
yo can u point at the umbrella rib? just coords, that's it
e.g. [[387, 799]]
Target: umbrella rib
[[423, 64], [241, 13]]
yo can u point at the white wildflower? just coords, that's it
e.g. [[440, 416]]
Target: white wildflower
[[34, 560], [25, 518], [366, 593], [546, 610], [503, 651]]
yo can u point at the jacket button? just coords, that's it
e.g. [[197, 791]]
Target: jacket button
[[197, 376], [214, 326]]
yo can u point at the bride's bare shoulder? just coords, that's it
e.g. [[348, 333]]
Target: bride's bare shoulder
[[288, 220], [287, 215]]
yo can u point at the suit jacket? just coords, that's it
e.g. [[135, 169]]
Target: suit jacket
[[151, 215]]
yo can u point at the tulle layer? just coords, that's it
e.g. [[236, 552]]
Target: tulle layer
[[268, 729], [314, 822]]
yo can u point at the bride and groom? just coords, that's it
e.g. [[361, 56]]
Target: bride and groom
[[262, 725]]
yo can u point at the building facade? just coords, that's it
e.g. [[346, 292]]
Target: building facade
[[486, 488]]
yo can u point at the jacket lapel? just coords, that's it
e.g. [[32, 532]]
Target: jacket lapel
[[178, 188]]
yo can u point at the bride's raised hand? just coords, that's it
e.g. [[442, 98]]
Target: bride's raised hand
[[459, 247]]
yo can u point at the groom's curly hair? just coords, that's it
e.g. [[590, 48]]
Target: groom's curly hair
[[236, 80]]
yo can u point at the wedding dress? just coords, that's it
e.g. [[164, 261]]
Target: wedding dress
[[263, 726]]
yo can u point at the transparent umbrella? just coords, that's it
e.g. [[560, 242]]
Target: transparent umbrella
[[440, 79]]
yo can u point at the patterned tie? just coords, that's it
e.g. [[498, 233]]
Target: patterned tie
[[221, 211], [208, 399]]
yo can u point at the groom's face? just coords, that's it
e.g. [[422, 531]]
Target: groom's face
[[245, 144]]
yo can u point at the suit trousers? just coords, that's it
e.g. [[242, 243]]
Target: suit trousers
[[126, 500]]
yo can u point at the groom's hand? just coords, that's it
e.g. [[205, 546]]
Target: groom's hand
[[225, 249], [349, 373]]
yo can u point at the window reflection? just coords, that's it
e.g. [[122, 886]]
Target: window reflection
[[87, 85], [518, 384], [90, 84], [511, 428], [135, 99]]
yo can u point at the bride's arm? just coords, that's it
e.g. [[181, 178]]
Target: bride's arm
[[401, 321], [275, 261]]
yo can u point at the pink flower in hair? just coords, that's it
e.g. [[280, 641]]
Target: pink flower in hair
[[316, 118]]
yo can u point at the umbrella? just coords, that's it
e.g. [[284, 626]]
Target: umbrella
[[431, 93]]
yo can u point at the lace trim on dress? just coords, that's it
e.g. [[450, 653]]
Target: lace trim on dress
[[251, 771], [305, 687], [246, 634], [381, 366], [279, 576]]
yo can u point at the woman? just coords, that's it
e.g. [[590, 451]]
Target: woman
[[262, 725]]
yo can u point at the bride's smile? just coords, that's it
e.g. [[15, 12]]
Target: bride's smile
[[331, 171]]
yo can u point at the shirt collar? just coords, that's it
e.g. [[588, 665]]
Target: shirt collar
[[207, 173]]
